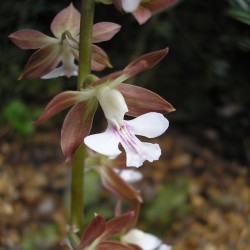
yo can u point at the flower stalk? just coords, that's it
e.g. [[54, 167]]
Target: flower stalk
[[87, 18], [84, 69]]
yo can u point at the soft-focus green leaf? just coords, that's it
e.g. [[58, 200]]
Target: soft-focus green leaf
[[46, 236], [240, 15], [171, 203], [19, 117]]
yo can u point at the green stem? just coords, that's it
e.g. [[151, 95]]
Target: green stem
[[84, 69], [77, 189], [87, 18]]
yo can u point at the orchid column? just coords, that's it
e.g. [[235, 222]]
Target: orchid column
[[84, 68]]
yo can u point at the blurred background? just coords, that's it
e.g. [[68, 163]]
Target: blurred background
[[198, 195]]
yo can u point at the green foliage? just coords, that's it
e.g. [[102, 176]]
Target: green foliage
[[240, 14], [42, 238], [240, 10], [19, 116], [170, 204], [95, 195], [92, 186]]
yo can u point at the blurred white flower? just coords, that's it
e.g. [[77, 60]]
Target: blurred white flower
[[144, 240]]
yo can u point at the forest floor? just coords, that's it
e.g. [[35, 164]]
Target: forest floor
[[213, 215]]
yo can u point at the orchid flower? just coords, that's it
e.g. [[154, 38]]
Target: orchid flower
[[121, 131], [144, 240], [99, 233], [142, 10], [130, 175], [56, 56], [110, 91]]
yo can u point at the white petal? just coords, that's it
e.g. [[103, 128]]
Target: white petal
[[145, 151], [68, 68], [130, 5], [71, 70], [133, 159], [151, 151], [144, 240], [104, 143], [150, 125], [54, 73], [130, 175], [164, 247], [62, 71]]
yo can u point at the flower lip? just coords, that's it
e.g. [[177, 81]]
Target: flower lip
[[137, 152]]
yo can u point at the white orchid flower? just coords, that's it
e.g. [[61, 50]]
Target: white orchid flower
[[130, 175], [144, 240], [55, 56], [112, 92], [121, 131]]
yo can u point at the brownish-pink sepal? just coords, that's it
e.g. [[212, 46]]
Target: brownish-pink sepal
[[141, 101], [99, 59], [58, 103], [31, 39], [140, 64], [94, 230], [42, 62], [119, 224], [67, 19], [113, 182], [157, 5], [108, 78], [145, 62], [104, 31], [146, 9], [142, 14], [77, 124], [114, 245], [135, 208]]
